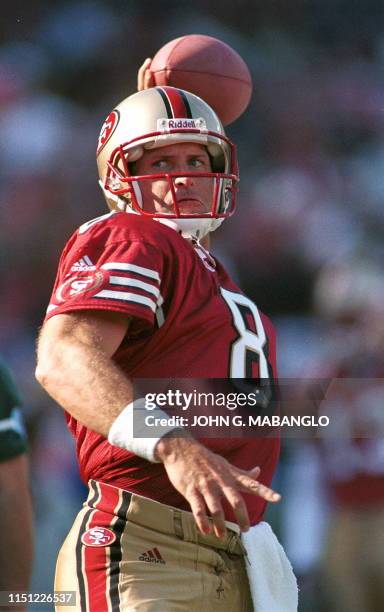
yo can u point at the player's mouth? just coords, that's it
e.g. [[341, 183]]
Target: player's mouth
[[191, 205]]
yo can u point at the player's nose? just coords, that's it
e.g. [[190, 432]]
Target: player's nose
[[184, 181]]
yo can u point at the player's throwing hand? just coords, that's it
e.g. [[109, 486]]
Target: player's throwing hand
[[145, 78], [204, 478]]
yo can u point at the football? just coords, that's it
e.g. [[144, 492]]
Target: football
[[208, 68]]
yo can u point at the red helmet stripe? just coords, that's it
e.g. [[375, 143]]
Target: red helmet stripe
[[177, 102], [186, 103], [166, 102]]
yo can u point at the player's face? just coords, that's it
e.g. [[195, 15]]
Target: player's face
[[193, 195]]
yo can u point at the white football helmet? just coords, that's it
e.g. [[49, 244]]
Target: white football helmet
[[159, 117]]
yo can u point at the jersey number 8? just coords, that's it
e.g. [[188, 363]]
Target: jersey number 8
[[249, 345]]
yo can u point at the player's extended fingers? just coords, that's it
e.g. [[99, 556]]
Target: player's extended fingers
[[199, 511], [143, 75], [265, 492], [248, 484], [149, 80], [239, 507], [254, 472], [216, 510]]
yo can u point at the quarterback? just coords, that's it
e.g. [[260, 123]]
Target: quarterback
[[138, 296]]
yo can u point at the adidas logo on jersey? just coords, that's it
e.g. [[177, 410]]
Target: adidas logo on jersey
[[83, 265], [152, 556]]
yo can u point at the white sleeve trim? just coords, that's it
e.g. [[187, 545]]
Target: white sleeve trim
[[126, 297], [128, 267], [133, 282]]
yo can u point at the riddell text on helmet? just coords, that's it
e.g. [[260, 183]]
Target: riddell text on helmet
[[172, 124]]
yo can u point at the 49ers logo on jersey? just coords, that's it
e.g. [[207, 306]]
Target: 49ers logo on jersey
[[83, 282], [98, 536], [107, 130]]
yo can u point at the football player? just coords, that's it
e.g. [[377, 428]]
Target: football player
[[137, 296], [15, 500]]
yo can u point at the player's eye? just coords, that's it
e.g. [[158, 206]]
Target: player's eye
[[160, 164], [198, 162]]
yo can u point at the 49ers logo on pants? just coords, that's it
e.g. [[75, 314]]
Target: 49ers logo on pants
[[98, 536]]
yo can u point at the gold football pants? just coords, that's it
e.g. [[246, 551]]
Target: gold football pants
[[128, 553]]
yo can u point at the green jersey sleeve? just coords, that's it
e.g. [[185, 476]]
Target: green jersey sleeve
[[13, 440]]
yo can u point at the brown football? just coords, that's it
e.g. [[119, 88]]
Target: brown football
[[208, 68]]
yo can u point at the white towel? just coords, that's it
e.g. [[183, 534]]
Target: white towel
[[271, 578]]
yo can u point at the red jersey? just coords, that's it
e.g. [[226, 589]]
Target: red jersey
[[189, 320]]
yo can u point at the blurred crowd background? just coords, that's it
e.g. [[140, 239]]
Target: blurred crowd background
[[306, 242]]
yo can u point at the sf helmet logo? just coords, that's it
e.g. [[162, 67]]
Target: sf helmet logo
[[98, 536], [107, 130]]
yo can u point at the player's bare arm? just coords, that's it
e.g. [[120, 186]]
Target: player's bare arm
[[76, 369], [74, 366]]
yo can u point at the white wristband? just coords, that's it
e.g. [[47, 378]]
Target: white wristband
[[121, 431]]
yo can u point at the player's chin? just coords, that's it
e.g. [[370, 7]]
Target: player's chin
[[192, 207]]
